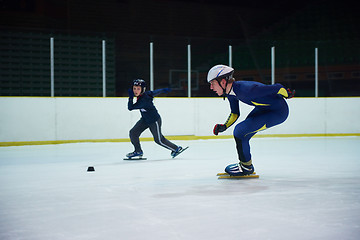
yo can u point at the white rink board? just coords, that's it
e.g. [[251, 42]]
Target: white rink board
[[51, 119]]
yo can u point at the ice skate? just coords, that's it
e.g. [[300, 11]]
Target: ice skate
[[135, 156], [178, 151], [239, 169]]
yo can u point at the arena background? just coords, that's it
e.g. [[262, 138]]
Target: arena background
[[128, 27]]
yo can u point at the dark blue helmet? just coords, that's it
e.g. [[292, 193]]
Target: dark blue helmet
[[141, 83]]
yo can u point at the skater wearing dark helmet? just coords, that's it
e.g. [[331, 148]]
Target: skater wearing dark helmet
[[270, 109], [150, 118]]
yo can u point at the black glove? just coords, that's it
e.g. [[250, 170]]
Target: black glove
[[131, 93], [290, 93], [219, 128]]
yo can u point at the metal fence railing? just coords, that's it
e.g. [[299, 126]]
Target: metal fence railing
[[93, 64]]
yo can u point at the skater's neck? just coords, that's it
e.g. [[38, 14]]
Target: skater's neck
[[228, 88]]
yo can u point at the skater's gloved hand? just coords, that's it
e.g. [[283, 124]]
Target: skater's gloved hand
[[291, 94], [286, 93], [166, 90], [131, 93], [219, 128]]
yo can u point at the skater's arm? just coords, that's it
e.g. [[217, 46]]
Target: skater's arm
[[234, 115], [235, 111], [131, 98], [143, 101], [234, 104], [261, 90], [222, 127], [159, 91], [231, 119], [131, 104], [140, 104]]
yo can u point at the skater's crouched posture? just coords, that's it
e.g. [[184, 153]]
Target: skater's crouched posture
[[270, 109], [150, 118]]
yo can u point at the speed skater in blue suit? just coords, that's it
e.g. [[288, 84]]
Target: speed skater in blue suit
[[150, 119], [270, 109]]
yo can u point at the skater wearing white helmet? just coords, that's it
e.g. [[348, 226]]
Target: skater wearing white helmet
[[270, 109]]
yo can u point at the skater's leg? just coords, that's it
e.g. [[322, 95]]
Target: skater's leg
[[243, 132], [135, 133], [258, 120], [155, 129], [243, 149]]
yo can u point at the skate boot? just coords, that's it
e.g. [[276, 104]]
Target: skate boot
[[176, 152], [134, 154], [239, 169]]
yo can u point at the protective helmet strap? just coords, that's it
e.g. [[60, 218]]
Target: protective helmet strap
[[224, 89]]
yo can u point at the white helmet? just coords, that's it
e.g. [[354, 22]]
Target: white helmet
[[220, 72]]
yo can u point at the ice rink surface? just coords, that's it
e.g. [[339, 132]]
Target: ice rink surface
[[309, 188]]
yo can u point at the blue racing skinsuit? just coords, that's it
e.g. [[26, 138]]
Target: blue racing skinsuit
[[270, 109]]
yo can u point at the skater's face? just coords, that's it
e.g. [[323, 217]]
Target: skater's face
[[137, 90], [214, 85]]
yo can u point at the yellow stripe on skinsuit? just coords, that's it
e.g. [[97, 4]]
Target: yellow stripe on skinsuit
[[260, 129], [260, 104], [283, 92], [231, 119]]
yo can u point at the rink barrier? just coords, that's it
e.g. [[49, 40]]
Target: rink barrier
[[189, 137], [56, 120]]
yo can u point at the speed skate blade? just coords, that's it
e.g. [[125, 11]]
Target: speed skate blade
[[135, 159], [227, 176]]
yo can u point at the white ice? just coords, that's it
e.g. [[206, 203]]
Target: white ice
[[309, 188]]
